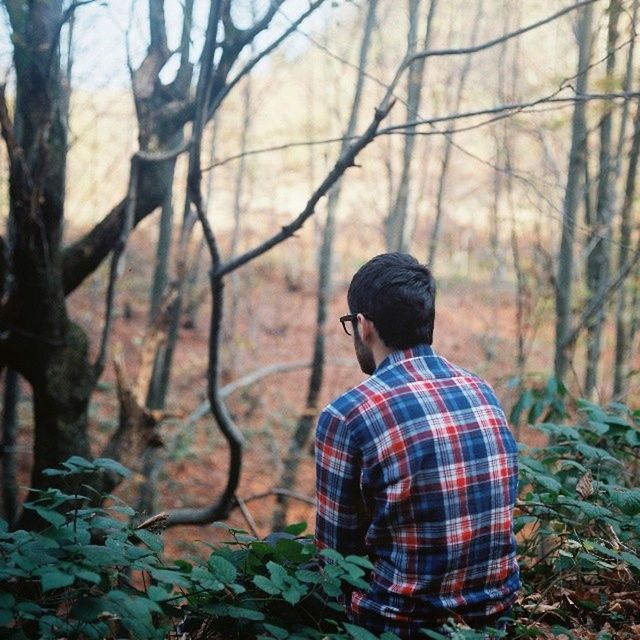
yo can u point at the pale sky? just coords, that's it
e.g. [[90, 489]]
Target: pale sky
[[100, 35]]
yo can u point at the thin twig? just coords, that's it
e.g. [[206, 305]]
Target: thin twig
[[247, 516], [345, 161], [116, 263], [294, 495], [254, 61], [516, 106]]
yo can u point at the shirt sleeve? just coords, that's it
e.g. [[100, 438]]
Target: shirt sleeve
[[340, 521]]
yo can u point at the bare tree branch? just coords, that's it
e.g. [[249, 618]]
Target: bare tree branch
[[596, 303], [14, 150], [240, 503], [263, 24], [400, 128], [345, 161], [498, 109], [66, 16], [276, 491], [421, 55], [157, 27]]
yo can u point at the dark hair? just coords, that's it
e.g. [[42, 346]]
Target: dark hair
[[398, 295]]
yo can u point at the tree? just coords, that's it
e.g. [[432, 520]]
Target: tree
[[40, 340], [306, 420], [397, 218], [575, 172], [599, 258]]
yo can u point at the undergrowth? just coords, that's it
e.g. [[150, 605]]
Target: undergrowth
[[91, 574]]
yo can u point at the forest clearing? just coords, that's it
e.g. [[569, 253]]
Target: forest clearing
[[187, 188]]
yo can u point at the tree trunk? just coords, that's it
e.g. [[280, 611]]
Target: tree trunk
[[623, 338], [9, 438], [307, 420], [397, 218], [448, 145], [163, 252], [564, 282], [598, 259], [238, 195]]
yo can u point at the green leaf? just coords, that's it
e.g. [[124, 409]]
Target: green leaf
[[559, 630], [167, 576], [305, 575], [547, 482], [222, 568], [628, 501], [79, 462], [361, 561], [266, 585], [592, 511], [331, 586], [632, 438], [613, 419], [158, 594], [86, 574], [296, 528], [293, 551], [595, 453], [276, 632], [293, 594], [631, 558], [600, 548], [332, 554], [358, 633], [153, 541], [100, 556], [6, 617], [54, 579], [278, 573], [206, 579], [112, 465], [231, 611], [51, 516]]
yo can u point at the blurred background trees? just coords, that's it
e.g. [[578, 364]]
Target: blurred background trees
[[508, 163]]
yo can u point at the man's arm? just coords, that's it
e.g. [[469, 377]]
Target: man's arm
[[340, 524]]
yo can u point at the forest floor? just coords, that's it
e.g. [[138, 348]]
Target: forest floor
[[273, 324]]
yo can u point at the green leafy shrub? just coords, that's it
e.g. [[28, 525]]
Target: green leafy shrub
[[91, 574], [579, 519]]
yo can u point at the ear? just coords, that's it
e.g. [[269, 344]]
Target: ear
[[367, 329]]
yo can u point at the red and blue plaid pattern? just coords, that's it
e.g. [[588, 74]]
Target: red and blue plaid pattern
[[417, 468]]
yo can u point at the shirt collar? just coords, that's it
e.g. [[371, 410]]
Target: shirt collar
[[419, 351]]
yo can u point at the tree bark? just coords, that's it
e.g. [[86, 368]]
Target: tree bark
[[623, 338], [9, 439], [397, 218], [325, 282], [564, 281], [598, 259], [448, 145]]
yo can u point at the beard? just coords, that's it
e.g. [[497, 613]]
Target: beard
[[364, 355]]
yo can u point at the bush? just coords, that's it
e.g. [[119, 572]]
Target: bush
[[91, 574], [579, 521]]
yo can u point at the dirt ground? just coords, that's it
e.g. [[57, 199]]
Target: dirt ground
[[272, 324]]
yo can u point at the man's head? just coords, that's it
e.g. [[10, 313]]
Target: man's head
[[397, 294]]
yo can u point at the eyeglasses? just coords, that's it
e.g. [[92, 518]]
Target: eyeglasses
[[350, 317]]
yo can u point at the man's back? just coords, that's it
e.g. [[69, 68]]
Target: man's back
[[418, 469]]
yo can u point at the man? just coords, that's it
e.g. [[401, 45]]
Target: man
[[416, 467]]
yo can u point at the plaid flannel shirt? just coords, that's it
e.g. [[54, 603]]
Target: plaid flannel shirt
[[417, 468]]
